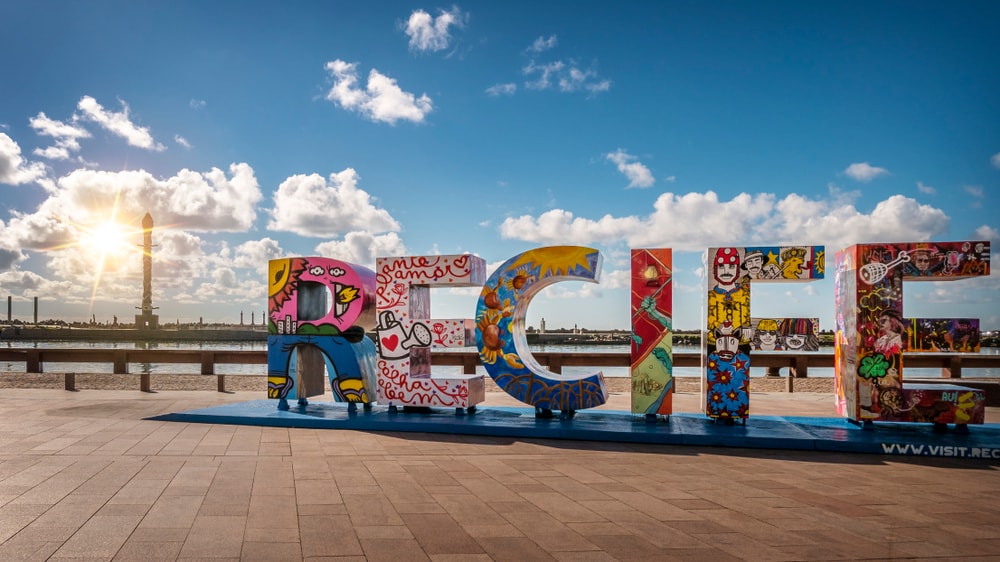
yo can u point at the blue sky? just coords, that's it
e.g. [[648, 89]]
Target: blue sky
[[257, 130]]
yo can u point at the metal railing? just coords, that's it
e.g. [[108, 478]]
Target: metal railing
[[952, 365]]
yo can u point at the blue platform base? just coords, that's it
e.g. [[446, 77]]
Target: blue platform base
[[762, 432]]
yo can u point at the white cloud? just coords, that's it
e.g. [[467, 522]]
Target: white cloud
[[189, 200], [40, 230], [577, 79], [19, 281], [67, 136], [974, 190], [428, 33], [7, 260], [995, 160], [197, 104], [309, 206], [182, 141], [637, 173], [118, 123], [14, 169], [255, 254], [543, 44], [694, 221], [361, 248], [670, 179], [568, 77], [926, 189], [381, 100], [863, 171], [226, 286], [545, 72], [987, 233], [506, 89], [617, 279]]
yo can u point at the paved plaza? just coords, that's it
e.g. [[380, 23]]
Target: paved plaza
[[84, 475]]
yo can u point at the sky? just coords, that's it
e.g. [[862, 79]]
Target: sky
[[257, 130]]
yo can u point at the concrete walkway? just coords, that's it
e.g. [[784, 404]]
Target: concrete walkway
[[84, 476]]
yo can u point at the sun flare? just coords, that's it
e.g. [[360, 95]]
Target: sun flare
[[108, 239]]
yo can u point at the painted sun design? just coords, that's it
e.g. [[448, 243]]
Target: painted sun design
[[519, 278], [283, 276], [557, 260], [491, 335]]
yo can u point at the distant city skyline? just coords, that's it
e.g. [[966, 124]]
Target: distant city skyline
[[321, 128]]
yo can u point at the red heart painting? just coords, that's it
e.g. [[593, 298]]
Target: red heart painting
[[390, 342]]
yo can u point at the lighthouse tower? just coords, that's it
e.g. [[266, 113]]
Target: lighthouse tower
[[146, 320]]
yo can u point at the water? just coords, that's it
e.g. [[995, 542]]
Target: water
[[226, 369]]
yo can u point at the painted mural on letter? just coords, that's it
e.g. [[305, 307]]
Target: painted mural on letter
[[730, 328], [941, 335], [872, 333], [500, 335], [652, 332], [308, 335], [406, 333], [785, 334]]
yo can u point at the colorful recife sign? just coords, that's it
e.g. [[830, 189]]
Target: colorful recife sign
[[872, 333], [320, 310], [730, 328]]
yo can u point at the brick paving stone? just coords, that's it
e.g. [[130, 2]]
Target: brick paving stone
[[488, 489], [561, 507], [549, 533], [328, 535], [470, 509], [272, 515], [392, 550], [124, 509], [159, 534], [214, 536], [173, 512], [626, 547], [430, 507], [403, 488], [599, 528], [514, 549], [100, 537], [654, 507], [40, 550], [38, 533], [266, 551], [68, 514], [492, 530], [576, 490], [371, 509], [153, 551], [140, 491], [440, 534], [663, 534], [322, 509]]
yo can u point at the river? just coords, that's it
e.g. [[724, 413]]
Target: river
[[222, 369]]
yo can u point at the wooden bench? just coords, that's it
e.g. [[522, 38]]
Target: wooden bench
[[69, 381]]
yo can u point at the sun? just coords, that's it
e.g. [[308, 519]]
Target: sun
[[108, 239]]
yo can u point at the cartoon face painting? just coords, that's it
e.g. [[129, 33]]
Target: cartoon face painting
[[726, 266]]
